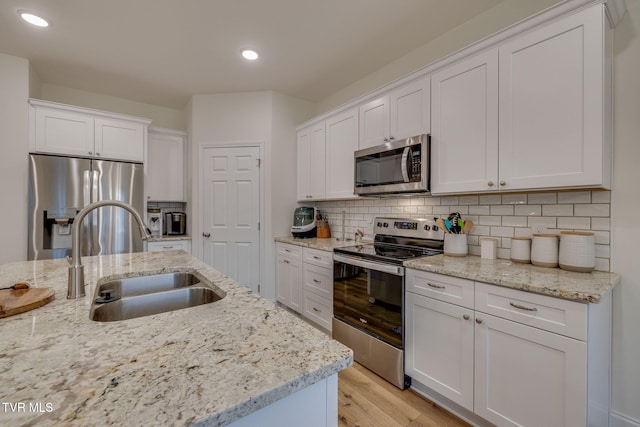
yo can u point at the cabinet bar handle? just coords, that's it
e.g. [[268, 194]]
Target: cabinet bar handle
[[316, 257], [522, 307], [435, 286], [316, 310], [465, 317], [167, 247], [317, 281]]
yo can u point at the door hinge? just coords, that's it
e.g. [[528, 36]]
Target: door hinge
[[258, 287], [259, 161], [258, 226]]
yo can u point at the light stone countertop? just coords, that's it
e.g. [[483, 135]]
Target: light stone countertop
[[315, 243], [581, 287], [208, 365]]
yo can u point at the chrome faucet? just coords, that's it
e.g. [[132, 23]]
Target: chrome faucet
[[76, 269]]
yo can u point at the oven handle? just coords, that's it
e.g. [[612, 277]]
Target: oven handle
[[384, 268]]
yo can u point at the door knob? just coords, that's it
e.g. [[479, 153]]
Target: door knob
[[206, 234]]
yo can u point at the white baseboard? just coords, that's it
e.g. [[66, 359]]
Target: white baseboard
[[620, 420]]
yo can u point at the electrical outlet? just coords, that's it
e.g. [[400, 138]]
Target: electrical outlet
[[538, 229]]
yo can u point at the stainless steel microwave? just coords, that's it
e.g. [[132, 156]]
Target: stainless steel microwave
[[395, 167]]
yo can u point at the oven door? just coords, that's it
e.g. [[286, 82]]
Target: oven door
[[369, 296]]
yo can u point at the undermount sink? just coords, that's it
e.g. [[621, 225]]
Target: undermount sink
[[146, 295]]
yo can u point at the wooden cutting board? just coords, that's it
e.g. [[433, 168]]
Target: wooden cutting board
[[16, 301]]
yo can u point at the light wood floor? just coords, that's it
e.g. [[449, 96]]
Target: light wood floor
[[366, 400]]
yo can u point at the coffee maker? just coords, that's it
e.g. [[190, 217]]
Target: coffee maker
[[176, 223]]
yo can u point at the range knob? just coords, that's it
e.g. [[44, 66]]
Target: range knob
[[427, 227], [435, 228], [379, 224], [385, 225]]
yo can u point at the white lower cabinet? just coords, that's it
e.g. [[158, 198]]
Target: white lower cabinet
[[506, 356], [169, 245], [289, 276], [304, 282], [318, 286]]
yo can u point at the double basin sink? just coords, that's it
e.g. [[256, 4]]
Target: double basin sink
[[133, 297]]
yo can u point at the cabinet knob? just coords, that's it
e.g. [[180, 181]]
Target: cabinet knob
[[490, 183], [503, 183], [90, 152], [206, 235], [97, 154], [478, 321], [391, 138], [386, 139], [286, 261], [465, 317]]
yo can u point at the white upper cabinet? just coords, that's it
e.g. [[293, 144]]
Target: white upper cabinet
[[165, 165], [538, 120], [553, 131], [410, 109], [464, 128], [73, 131], [341, 142], [400, 113], [311, 163]]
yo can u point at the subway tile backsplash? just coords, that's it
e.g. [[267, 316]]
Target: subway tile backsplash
[[495, 215]]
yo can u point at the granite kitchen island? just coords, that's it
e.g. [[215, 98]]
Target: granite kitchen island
[[212, 364]]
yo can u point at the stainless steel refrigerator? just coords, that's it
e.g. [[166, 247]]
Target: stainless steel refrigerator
[[59, 187]]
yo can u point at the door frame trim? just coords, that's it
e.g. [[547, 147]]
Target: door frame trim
[[197, 237]]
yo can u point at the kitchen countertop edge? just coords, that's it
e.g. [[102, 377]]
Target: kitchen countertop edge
[[554, 282]]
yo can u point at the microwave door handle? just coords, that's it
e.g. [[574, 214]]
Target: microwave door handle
[[405, 157]]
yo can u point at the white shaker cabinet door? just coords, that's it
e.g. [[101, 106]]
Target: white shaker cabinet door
[[410, 109], [552, 98], [165, 160], [525, 376], [374, 122], [439, 347], [304, 141], [289, 282], [341, 142], [63, 132], [317, 162], [464, 127], [119, 139]]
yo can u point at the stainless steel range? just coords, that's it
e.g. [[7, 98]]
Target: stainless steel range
[[368, 292]]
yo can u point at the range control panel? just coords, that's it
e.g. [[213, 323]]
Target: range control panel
[[423, 228]]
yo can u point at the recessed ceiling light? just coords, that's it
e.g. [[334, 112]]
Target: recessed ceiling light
[[250, 55], [33, 19]]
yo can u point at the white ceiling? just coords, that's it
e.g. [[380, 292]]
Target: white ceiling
[[162, 51]]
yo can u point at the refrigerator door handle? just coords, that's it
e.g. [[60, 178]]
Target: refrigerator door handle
[[95, 184], [86, 188]]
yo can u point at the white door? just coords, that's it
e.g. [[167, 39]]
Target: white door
[[464, 126], [231, 212], [525, 376], [551, 105]]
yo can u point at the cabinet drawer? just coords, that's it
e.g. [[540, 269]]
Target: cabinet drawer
[[318, 280], [170, 245], [291, 251], [444, 288], [318, 257], [318, 309], [550, 314]]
